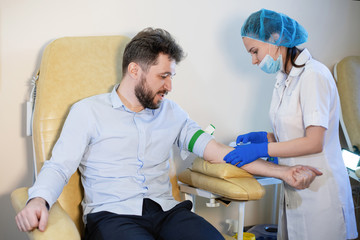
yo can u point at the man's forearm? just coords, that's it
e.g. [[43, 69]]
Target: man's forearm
[[264, 168], [49, 185], [215, 153]]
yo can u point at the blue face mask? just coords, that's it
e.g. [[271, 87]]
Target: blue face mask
[[269, 65]]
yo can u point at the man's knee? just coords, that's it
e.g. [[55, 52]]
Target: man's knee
[[185, 224]]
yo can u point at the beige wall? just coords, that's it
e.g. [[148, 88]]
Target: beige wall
[[215, 84]]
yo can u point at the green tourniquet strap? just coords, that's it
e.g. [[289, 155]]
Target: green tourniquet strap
[[193, 139]]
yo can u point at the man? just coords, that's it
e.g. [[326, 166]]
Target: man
[[121, 144]]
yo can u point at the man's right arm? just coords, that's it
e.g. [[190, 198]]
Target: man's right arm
[[54, 175]]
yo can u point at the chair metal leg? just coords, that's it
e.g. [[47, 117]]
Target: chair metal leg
[[191, 197], [274, 207], [241, 220]]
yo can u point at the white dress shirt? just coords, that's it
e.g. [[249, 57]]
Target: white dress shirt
[[122, 155]]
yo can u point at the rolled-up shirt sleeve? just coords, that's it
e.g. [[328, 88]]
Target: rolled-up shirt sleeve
[[315, 99], [186, 134]]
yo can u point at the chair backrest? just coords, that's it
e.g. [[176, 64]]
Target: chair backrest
[[72, 68], [347, 75]]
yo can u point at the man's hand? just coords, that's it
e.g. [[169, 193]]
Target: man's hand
[[34, 215], [300, 177]]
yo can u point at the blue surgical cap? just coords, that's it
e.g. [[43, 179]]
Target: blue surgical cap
[[274, 28]]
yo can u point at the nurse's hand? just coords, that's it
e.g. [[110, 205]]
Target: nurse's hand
[[244, 154], [253, 137], [300, 177]]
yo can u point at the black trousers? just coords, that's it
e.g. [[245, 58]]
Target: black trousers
[[175, 224]]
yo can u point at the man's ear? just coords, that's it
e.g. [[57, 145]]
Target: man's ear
[[133, 70]]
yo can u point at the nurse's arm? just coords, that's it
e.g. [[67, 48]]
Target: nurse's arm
[[298, 177], [271, 137], [310, 144]]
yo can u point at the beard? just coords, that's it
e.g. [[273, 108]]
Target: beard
[[146, 96]]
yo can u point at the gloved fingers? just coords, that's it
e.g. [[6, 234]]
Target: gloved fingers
[[236, 162], [240, 164], [247, 153], [242, 139], [233, 157], [252, 137], [262, 137], [230, 157]]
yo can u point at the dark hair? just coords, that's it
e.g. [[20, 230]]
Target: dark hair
[[291, 55], [146, 46]]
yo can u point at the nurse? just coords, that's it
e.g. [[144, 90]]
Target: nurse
[[304, 114]]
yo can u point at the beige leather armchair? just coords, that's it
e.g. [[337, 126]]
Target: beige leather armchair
[[73, 68]]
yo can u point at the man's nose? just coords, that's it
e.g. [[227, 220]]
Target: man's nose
[[168, 84]]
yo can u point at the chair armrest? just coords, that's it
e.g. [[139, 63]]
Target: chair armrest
[[60, 226], [225, 180]]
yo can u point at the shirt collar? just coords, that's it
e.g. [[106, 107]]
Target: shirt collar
[[117, 103], [115, 99], [282, 78], [303, 57]]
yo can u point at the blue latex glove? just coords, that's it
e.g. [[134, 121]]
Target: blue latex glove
[[253, 137], [244, 154]]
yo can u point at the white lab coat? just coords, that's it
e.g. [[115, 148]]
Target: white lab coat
[[308, 96]]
